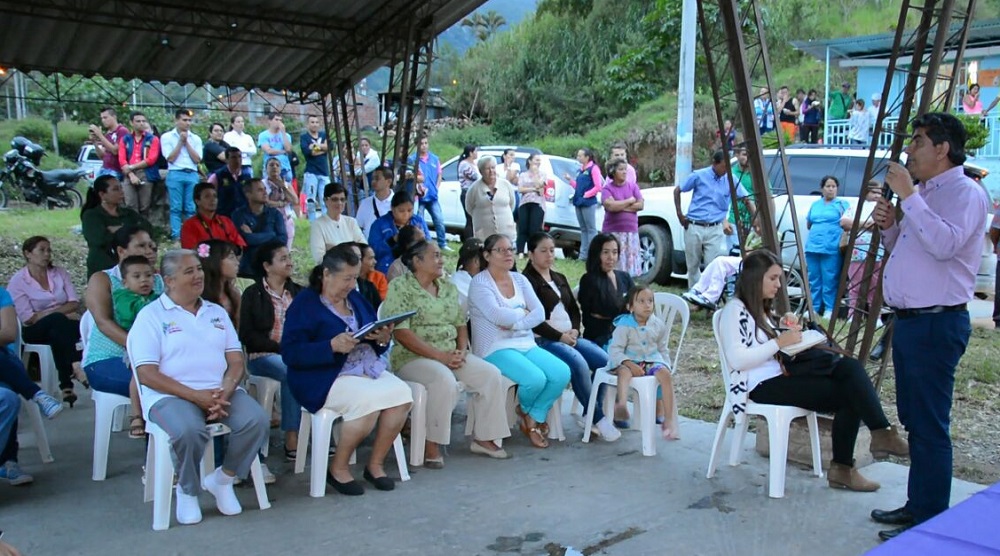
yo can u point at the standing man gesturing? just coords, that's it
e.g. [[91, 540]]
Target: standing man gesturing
[[183, 149], [940, 240]]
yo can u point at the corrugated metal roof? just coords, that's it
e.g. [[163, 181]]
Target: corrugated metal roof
[[980, 34], [300, 45]]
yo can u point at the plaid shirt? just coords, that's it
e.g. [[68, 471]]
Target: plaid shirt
[[280, 304]]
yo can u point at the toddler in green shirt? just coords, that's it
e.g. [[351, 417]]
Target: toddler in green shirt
[[137, 277]]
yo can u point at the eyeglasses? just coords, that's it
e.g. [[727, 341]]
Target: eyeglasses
[[503, 250]]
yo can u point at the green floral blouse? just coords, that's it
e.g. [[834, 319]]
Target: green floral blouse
[[436, 320]]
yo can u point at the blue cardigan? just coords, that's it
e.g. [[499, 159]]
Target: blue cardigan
[[384, 229], [305, 345]]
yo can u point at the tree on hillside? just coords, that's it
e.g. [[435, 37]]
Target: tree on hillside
[[485, 25]]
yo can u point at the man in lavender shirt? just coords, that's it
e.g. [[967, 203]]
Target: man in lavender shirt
[[940, 241]]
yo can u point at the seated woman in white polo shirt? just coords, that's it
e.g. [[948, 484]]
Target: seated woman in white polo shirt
[[189, 361]]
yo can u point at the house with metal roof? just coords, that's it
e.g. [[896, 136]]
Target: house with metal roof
[[870, 55]]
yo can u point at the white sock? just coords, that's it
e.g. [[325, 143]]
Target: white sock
[[188, 510]]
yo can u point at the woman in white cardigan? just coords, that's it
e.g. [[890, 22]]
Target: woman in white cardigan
[[504, 309], [750, 341]]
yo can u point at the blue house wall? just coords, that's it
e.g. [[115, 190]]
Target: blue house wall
[[872, 79]]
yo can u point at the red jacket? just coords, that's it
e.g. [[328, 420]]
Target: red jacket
[[196, 230]]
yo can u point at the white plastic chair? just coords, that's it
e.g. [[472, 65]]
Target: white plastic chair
[[667, 307], [48, 375], [779, 419], [265, 390], [160, 472], [320, 425], [105, 407], [160, 466], [553, 419], [31, 415]]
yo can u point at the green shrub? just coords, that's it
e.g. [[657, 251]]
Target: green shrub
[[36, 130], [460, 137], [71, 138]]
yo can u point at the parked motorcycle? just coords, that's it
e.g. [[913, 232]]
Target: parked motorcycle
[[20, 177]]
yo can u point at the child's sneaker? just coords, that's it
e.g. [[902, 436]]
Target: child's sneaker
[[607, 430], [12, 472], [50, 406]]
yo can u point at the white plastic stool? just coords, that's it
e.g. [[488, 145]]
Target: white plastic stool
[[31, 415], [320, 424], [265, 390], [644, 405], [160, 472], [105, 407]]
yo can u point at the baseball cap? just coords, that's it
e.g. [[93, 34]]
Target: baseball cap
[[876, 96]]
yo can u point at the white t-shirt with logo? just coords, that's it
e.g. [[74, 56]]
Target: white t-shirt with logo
[[190, 349]]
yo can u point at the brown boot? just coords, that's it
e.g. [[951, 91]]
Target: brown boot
[[843, 476], [886, 442]]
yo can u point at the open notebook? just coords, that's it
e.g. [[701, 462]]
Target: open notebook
[[810, 338]]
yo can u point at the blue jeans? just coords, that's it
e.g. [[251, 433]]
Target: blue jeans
[[925, 351], [540, 377], [587, 218], [109, 375], [180, 192], [434, 208], [271, 366], [13, 374], [10, 405], [313, 186], [582, 360]]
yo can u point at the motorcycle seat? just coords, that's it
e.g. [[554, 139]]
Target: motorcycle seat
[[67, 175]]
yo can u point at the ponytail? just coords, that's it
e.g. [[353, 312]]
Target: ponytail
[[316, 278]]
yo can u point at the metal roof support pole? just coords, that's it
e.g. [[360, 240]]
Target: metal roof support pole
[[326, 130], [345, 124], [739, 54], [402, 126], [388, 98], [826, 97], [426, 80], [937, 53], [868, 319], [357, 129], [404, 146]]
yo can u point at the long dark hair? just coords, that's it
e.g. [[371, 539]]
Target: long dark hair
[[488, 246], [215, 285], [466, 153], [333, 261], [122, 237], [101, 185], [607, 294], [471, 250], [750, 288]]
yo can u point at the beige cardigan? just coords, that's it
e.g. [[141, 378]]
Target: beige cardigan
[[494, 216]]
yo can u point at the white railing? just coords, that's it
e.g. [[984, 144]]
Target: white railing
[[837, 135]]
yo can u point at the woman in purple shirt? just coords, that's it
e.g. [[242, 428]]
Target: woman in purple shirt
[[47, 306], [622, 201]]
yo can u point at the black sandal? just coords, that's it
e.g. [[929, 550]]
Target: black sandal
[[69, 396]]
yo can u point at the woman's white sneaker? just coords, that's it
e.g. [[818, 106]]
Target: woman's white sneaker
[[221, 487], [188, 510], [607, 430]]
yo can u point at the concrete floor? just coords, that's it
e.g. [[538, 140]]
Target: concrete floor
[[598, 499]]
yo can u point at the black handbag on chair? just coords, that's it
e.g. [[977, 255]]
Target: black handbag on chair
[[818, 360]]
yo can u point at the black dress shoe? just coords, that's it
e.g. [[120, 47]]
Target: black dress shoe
[[893, 533], [381, 483], [350, 488], [899, 516]]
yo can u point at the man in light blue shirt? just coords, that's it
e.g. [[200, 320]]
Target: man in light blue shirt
[[705, 224], [183, 149], [276, 143]]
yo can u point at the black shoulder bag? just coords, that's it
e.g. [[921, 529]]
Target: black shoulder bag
[[818, 360]]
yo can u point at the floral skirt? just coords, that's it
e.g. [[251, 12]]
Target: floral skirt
[[628, 255]]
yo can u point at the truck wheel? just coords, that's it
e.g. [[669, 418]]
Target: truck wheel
[[655, 249]]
